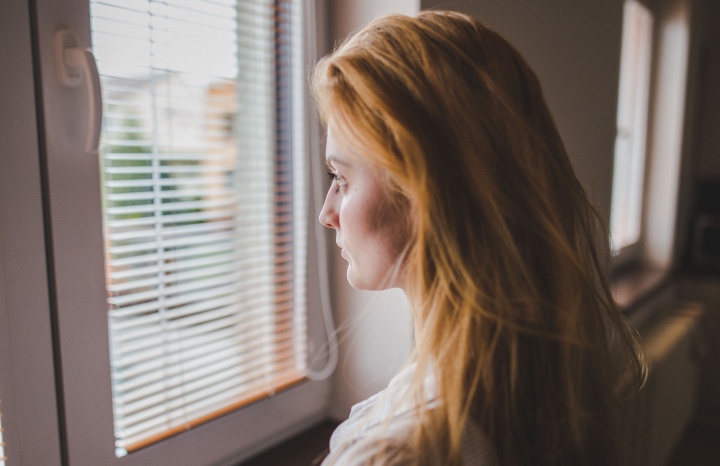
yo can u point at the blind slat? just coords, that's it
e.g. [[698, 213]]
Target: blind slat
[[176, 402], [127, 369], [193, 377], [193, 414], [204, 237], [172, 264]]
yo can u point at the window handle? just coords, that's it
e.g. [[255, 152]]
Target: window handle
[[74, 66]]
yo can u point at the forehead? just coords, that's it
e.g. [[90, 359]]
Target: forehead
[[337, 152]]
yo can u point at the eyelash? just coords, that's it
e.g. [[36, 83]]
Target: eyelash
[[335, 178]]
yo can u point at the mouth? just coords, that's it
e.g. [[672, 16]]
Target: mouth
[[343, 253]]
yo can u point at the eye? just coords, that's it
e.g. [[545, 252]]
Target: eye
[[334, 177]]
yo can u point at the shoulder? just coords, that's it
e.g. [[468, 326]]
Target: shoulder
[[366, 452], [379, 432], [390, 445], [399, 452]]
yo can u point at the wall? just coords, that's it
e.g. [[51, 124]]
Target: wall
[[700, 104], [706, 291], [374, 328], [574, 48], [708, 137], [702, 160]]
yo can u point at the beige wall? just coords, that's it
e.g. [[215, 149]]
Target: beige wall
[[374, 328], [708, 137], [347, 16], [574, 47], [702, 160]]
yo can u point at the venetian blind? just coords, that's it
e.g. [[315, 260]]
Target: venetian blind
[[203, 218]]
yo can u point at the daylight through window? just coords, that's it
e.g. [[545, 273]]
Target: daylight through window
[[629, 166], [204, 229]]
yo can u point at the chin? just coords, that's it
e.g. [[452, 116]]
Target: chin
[[377, 281], [358, 282]]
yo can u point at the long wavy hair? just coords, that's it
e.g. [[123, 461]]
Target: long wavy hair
[[504, 274]]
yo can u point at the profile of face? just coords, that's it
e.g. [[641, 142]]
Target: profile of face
[[371, 232]]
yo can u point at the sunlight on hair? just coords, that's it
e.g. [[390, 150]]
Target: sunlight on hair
[[504, 273]]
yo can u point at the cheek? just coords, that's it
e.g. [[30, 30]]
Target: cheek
[[355, 220], [370, 225], [389, 222]]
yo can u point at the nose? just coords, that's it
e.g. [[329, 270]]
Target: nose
[[328, 214]]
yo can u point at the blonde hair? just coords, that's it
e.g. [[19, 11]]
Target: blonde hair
[[513, 317]]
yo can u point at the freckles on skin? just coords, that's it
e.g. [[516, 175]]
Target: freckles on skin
[[368, 234], [369, 229]]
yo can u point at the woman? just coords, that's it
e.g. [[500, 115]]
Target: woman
[[450, 181]]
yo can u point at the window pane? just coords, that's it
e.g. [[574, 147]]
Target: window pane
[[201, 225], [629, 166]]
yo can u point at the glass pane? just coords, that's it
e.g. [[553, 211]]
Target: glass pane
[[198, 211], [629, 165]]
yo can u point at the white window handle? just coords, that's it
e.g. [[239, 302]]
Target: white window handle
[[73, 65]]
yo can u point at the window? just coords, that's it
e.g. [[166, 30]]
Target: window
[[646, 182], [177, 254], [201, 226], [632, 118]]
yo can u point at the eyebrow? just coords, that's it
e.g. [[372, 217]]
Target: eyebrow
[[332, 160]]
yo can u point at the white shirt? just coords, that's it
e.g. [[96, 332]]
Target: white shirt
[[384, 422]]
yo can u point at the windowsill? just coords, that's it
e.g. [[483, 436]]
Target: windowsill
[[634, 285], [306, 448]]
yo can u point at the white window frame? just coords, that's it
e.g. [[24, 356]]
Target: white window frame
[[39, 314], [27, 378]]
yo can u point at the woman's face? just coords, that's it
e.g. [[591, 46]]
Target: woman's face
[[371, 232]]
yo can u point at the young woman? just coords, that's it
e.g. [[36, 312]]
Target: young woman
[[450, 181]]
